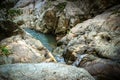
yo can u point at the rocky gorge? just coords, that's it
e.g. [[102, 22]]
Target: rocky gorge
[[60, 40]]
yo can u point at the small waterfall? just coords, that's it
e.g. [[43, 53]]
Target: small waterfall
[[79, 59]]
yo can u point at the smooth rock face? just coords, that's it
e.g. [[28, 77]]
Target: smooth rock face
[[43, 71], [102, 69]]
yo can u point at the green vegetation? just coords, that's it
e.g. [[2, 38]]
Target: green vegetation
[[14, 12], [4, 50], [48, 5], [61, 6]]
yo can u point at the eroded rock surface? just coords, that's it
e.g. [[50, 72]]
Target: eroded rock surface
[[99, 35], [94, 39], [93, 44], [58, 16]]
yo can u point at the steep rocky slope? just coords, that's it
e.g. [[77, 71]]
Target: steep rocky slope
[[87, 31], [58, 16], [95, 45]]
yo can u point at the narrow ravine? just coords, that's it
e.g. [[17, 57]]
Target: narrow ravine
[[59, 40]]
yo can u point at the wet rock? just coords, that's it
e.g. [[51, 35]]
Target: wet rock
[[43, 71]]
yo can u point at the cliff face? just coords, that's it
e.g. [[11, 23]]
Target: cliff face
[[58, 16], [87, 31]]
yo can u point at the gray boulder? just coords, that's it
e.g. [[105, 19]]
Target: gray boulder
[[17, 49], [98, 36], [43, 71], [95, 44]]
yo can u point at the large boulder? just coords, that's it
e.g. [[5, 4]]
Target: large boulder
[[101, 69], [99, 35], [94, 39], [17, 49], [43, 71], [18, 46]]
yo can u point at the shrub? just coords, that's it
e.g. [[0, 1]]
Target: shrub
[[14, 12], [61, 6], [4, 50]]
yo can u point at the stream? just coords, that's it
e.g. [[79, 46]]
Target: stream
[[47, 40]]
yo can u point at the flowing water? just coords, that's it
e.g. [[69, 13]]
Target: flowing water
[[79, 59]]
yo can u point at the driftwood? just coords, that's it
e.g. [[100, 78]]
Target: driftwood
[[51, 56]]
